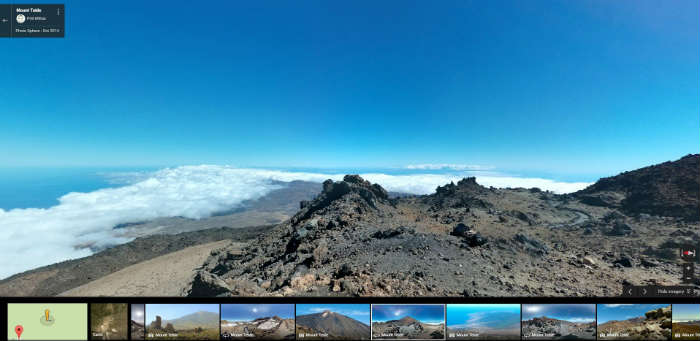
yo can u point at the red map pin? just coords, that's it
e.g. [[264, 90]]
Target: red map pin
[[19, 329]]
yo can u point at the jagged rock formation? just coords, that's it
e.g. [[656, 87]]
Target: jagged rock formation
[[407, 328], [554, 329], [265, 328], [157, 324], [654, 325], [465, 239]]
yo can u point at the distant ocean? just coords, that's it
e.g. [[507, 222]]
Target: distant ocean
[[41, 187]]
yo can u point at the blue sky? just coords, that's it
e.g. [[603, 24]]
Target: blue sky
[[359, 312], [686, 312], [483, 315], [621, 312], [173, 311], [248, 312], [568, 312], [550, 86], [426, 313]]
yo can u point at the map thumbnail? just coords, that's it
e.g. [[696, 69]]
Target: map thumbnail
[[47, 321]]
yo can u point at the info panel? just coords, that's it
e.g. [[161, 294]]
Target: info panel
[[32, 21]]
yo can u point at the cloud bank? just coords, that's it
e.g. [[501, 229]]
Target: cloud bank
[[450, 166], [35, 237]]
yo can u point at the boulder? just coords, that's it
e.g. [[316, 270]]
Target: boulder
[[474, 239], [624, 261], [206, 284], [531, 244], [461, 230], [620, 228]]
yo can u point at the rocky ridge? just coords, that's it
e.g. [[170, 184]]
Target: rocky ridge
[[465, 239], [654, 325]]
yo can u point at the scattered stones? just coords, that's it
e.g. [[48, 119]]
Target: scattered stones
[[475, 239], [588, 261], [620, 228], [522, 216], [390, 233], [649, 263], [343, 271], [531, 244], [624, 261]]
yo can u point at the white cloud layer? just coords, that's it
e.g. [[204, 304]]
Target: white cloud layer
[[35, 237], [451, 166]]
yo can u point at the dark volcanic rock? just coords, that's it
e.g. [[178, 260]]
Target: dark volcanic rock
[[465, 194], [669, 189], [620, 228], [335, 324], [475, 239], [531, 244], [390, 233], [471, 237], [461, 230], [624, 261], [206, 284]]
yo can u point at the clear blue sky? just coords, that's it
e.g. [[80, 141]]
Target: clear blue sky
[[560, 86], [426, 313], [686, 312], [249, 312], [567, 312], [621, 312], [359, 312], [174, 311]]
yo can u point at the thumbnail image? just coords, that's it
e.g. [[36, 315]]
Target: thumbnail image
[[408, 321], [138, 322], [47, 321], [634, 322], [182, 321], [332, 322], [558, 321], [483, 321], [108, 321], [257, 321], [686, 322]]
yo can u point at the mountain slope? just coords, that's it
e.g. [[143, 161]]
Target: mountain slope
[[668, 189], [202, 319], [353, 239], [334, 324]]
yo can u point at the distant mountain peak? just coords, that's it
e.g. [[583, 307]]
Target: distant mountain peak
[[408, 319]]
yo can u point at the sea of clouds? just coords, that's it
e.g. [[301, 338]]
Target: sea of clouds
[[34, 237]]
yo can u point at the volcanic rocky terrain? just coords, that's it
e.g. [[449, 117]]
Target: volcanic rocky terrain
[[138, 332], [264, 328], [329, 325], [544, 328], [688, 330], [407, 328], [353, 239], [654, 325]]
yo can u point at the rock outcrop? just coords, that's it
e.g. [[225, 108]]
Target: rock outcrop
[[668, 189]]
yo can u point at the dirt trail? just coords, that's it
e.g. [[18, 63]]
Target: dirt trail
[[161, 276]]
